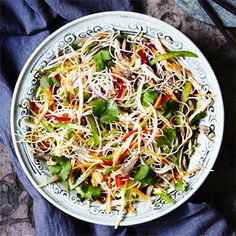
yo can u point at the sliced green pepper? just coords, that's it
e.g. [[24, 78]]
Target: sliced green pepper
[[172, 54], [94, 130]]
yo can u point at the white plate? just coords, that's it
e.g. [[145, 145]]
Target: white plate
[[131, 23]]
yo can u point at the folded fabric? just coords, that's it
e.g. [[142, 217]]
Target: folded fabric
[[24, 25]]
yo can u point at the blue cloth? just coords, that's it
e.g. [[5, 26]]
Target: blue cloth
[[24, 25]]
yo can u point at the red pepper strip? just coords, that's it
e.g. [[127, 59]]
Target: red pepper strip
[[122, 157], [107, 162], [120, 179], [57, 118], [33, 107], [164, 99], [119, 92], [128, 134], [120, 87], [50, 89], [57, 77], [53, 107], [143, 56]]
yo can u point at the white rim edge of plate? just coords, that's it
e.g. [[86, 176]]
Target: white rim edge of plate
[[130, 15]]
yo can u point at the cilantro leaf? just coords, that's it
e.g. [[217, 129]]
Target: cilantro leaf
[[170, 136], [66, 168], [196, 119], [148, 98], [107, 118], [111, 113], [107, 111], [162, 141], [99, 106], [103, 59], [169, 107], [60, 160], [63, 167], [88, 192]]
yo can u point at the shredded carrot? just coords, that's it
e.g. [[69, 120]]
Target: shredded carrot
[[180, 68]]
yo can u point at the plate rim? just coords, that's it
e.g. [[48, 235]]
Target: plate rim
[[21, 77]]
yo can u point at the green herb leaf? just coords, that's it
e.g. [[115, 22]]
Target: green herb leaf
[[198, 118], [145, 175], [54, 169], [180, 185], [63, 167], [170, 136], [107, 118], [88, 192], [46, 82], [172, 54], [148, 98], [162, 141], [66, 168], [103, 59], [59, 160], [99, 106], [169, 107], [111, 113], [151, 178], [142, 172]]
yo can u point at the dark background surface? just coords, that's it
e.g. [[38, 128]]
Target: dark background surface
[[219, 188]]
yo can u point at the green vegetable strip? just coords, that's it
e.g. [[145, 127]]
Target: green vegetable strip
[[172, 54], [94, 130]]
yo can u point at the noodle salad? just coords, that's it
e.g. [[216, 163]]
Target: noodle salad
[[116, 119]]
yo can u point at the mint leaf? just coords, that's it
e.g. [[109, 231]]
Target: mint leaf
[[148, 98], [145, 175], [142, 172], [169, 107], [196, 119], [151, 178]]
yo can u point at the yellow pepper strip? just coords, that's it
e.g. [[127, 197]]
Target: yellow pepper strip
[[140, 194]]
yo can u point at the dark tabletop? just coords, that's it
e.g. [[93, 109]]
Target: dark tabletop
[[218, 190]]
